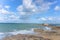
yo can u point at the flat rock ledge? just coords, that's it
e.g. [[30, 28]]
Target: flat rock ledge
[[25, 37]]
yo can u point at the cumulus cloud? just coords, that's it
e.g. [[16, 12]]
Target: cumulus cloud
[[14, 17], [57, 8], [7, 6], [3, 11], [25, 10], [34, 6], [51, 18], [44, 19], [30, 7], [11, 18], [48, 18], [1, 18], [0, 6], [6, 15]]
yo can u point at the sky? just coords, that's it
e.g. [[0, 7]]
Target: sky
[[29, 11]]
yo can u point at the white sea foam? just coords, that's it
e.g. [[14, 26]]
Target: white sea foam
[[2, 35], [48, 28], [22, 32]]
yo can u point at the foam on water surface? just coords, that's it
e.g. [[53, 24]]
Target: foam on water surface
[[2, 35]]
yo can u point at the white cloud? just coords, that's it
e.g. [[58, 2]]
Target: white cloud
[[6, 15], [30, 6], [48, 18], [1, 18], [25, 10], [7, 6], [0, 6], [42, 18], [20, 8], [13, 17], [57, 8], [27, 3], [3, 11], [22, 13]]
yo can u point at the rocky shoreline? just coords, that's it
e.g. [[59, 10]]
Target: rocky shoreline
[[53, 34], [25, 37]]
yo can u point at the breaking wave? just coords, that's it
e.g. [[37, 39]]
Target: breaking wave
[[15, 32], [4, 34]]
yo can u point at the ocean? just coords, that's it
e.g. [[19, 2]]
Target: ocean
[[8, 29]]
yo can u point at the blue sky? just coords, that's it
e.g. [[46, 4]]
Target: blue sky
[[30, 11]]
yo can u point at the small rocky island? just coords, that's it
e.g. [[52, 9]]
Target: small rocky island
[[53, 34]]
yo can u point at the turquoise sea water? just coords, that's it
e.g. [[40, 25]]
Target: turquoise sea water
[[8, 29], [17, 28]]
